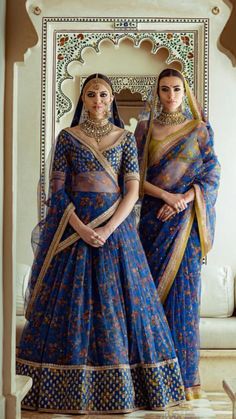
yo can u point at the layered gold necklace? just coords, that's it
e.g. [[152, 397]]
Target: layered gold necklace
[[96, 129], [171, 118]]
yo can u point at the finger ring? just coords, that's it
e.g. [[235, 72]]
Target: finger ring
[[95, 241]]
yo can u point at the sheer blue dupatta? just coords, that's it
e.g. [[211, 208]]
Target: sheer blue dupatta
[[48, 233], [154, 160]]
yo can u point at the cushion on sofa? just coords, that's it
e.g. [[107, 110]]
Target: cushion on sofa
[[218, 333], [22, 277], [217, 297]]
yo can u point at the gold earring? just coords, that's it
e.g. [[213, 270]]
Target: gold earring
[[108, 111], [158, 105], [86, 114]]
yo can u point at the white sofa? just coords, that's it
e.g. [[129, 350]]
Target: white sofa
[[217, 327], [217, 323]]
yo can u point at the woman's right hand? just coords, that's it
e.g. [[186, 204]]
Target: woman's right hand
[[176, 201], [90, 236]]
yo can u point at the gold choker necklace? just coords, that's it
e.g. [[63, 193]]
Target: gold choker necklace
[[171, 118], [96, 129]]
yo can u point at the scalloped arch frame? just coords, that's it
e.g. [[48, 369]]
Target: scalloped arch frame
[[70, 47]]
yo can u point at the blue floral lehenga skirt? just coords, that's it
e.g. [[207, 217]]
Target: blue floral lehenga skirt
[[96, 339]]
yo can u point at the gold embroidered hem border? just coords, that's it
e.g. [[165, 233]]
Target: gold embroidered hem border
[[103, 389], [103, 412]]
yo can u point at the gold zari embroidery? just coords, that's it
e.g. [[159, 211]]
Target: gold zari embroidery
[[176, 258]]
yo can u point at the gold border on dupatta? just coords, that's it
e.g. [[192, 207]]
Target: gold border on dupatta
[[93, 224], [144, 161], [176, 258], [55, 241], [200, 208]]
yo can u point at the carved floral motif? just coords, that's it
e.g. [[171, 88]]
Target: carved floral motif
[[70, 47]]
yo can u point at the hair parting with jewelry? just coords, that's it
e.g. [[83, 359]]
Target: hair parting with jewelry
[[94, 80]]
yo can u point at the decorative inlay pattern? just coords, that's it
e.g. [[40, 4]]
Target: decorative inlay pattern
[[126, 24], [70, 46]]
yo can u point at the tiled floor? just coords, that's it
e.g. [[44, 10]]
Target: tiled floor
[[212, 405], [221, 405]]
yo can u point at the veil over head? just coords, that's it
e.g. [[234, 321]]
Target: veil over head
[[192, 111]]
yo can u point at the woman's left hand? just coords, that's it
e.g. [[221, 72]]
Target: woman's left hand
[[166, 212]]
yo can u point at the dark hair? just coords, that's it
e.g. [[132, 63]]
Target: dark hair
[[100, 76], [169, 72]]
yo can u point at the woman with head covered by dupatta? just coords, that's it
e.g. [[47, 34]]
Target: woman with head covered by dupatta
[[179, 183], [96, 339]]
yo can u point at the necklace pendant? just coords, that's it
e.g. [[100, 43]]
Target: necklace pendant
[[96, 130]]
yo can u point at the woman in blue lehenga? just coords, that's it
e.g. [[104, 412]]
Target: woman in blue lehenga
[[96, 339], [179, 180]]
